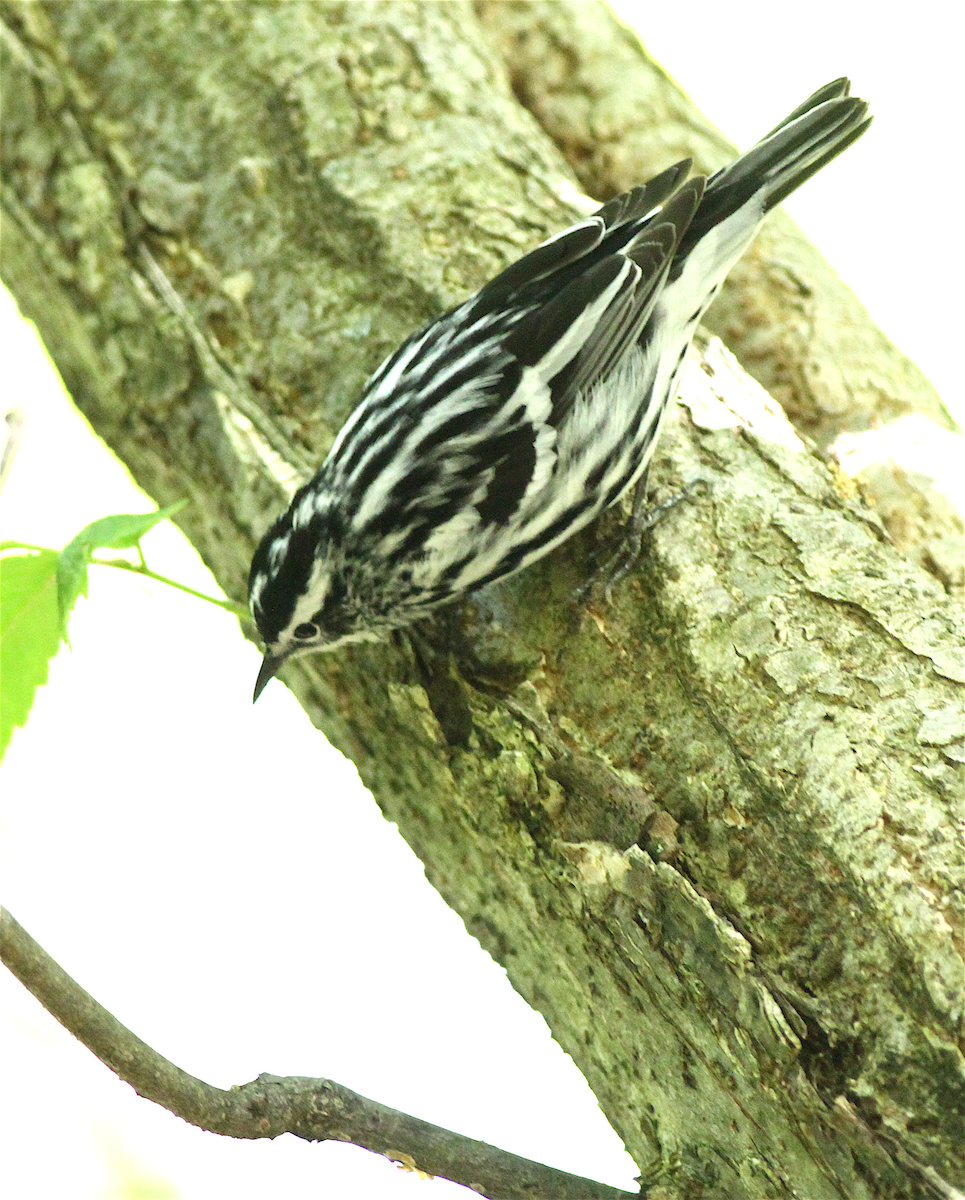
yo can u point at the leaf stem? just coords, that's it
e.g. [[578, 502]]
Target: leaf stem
[[142, 568]]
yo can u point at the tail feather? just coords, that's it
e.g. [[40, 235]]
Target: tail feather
[[805, 141], [837, 89]]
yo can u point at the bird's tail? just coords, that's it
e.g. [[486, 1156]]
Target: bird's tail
[[810, 137]]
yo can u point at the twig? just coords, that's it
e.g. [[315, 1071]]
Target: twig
[[315, 1109], [141, 568]]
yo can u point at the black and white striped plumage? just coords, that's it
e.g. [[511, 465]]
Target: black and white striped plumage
[[497, 431]]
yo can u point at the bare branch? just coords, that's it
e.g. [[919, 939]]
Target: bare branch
[[317, 1110]]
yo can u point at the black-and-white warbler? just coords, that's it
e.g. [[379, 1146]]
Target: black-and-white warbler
[[500, 429]]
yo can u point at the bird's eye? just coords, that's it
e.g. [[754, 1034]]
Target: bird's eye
[[305, 631]]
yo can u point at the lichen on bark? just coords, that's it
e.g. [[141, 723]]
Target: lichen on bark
[[763, 987]]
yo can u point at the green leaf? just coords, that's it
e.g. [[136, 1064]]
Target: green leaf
[[122, 530], [119, 532], [29, 632]]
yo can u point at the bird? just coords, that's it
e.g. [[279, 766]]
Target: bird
[[505, 425]]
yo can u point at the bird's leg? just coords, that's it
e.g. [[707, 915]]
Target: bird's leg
[[642, 520]]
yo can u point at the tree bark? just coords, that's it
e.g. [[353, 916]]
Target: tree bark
[[713, 830]]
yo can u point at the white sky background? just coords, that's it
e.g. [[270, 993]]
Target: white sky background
[[189, 858]]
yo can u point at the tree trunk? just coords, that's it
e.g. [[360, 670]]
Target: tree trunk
[[713, 831]]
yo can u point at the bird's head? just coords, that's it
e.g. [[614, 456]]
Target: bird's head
[[298, 587]]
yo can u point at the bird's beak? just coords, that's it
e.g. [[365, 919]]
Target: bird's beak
[[269, 669]]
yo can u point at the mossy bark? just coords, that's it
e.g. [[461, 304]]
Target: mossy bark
[[713, 830]]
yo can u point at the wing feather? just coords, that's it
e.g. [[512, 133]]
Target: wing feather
[[582, 334]]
